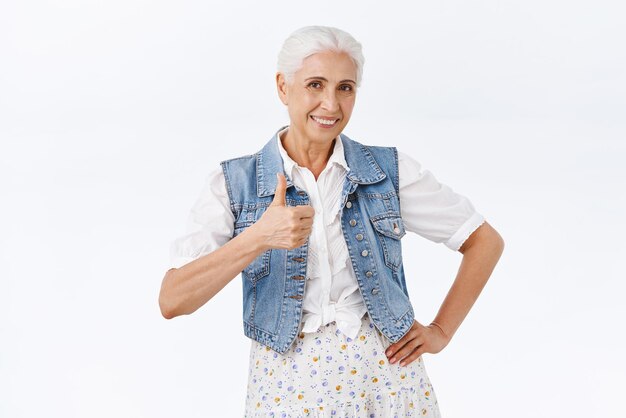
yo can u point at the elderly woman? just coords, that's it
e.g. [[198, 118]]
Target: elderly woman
[[314, 222]]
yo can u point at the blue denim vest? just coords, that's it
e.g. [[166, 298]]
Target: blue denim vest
[[274, 283]]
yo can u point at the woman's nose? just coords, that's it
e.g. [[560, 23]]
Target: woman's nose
[[329, 101]]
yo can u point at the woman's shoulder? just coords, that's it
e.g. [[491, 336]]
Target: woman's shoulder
[[407, 160]]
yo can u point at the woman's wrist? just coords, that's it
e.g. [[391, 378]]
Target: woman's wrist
[[441, 329], [256, 241]]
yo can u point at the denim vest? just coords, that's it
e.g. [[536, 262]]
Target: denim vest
[[274, 283]]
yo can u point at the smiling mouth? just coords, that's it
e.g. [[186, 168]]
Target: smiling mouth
[[325, 122]]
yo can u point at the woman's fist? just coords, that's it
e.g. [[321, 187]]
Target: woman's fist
[[282, 226]]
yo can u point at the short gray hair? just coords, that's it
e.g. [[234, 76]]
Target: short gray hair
[[309, 40]]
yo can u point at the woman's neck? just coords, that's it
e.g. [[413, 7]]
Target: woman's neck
[[307, 154]]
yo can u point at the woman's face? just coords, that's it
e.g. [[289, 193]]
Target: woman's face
[[321, 96]]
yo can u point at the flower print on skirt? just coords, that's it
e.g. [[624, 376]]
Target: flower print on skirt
[[326, 374]]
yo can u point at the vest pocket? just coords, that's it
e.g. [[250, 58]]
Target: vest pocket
[[260, 266], [390, 230]]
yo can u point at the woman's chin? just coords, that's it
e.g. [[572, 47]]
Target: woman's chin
[[324, 133]]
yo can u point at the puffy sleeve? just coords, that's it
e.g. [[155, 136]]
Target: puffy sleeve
[[432, 209], [210, 223]]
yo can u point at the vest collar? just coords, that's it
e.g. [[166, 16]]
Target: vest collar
[[363, 167]]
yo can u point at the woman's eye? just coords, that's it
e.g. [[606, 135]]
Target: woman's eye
[[346, 87], [314, 84]]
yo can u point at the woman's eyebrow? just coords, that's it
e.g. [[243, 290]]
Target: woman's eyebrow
[[322, 78]]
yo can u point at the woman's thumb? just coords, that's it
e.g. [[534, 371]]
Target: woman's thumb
[[281, 190]]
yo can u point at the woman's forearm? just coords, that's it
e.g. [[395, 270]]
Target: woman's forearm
[[481, 252], [187, 288]]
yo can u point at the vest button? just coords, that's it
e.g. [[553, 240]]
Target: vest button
[[364, 253], [297, 277], [359, 237], [298, 297], [301, 193], [375, 291], [369, 273], [352, 222], [348, 204], [299, 259]]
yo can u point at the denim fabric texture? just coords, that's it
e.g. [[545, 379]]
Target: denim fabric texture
[[274, 283]]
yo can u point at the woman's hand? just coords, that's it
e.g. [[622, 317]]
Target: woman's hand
[[419, 340], [282, 226]]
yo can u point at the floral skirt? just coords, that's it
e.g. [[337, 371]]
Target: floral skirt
[[326, 374]]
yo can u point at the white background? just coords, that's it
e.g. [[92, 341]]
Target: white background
[[113, 112]]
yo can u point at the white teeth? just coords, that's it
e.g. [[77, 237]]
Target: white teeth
[[324, 122]]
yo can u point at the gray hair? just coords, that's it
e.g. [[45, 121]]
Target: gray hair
[[309, 40]]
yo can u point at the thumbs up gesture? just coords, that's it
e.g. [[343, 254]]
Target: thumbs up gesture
[[280, 196], [282, 226]]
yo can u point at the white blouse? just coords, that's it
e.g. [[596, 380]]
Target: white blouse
[[428, 208]]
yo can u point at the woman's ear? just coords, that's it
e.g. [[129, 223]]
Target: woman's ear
[[281, 86]]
